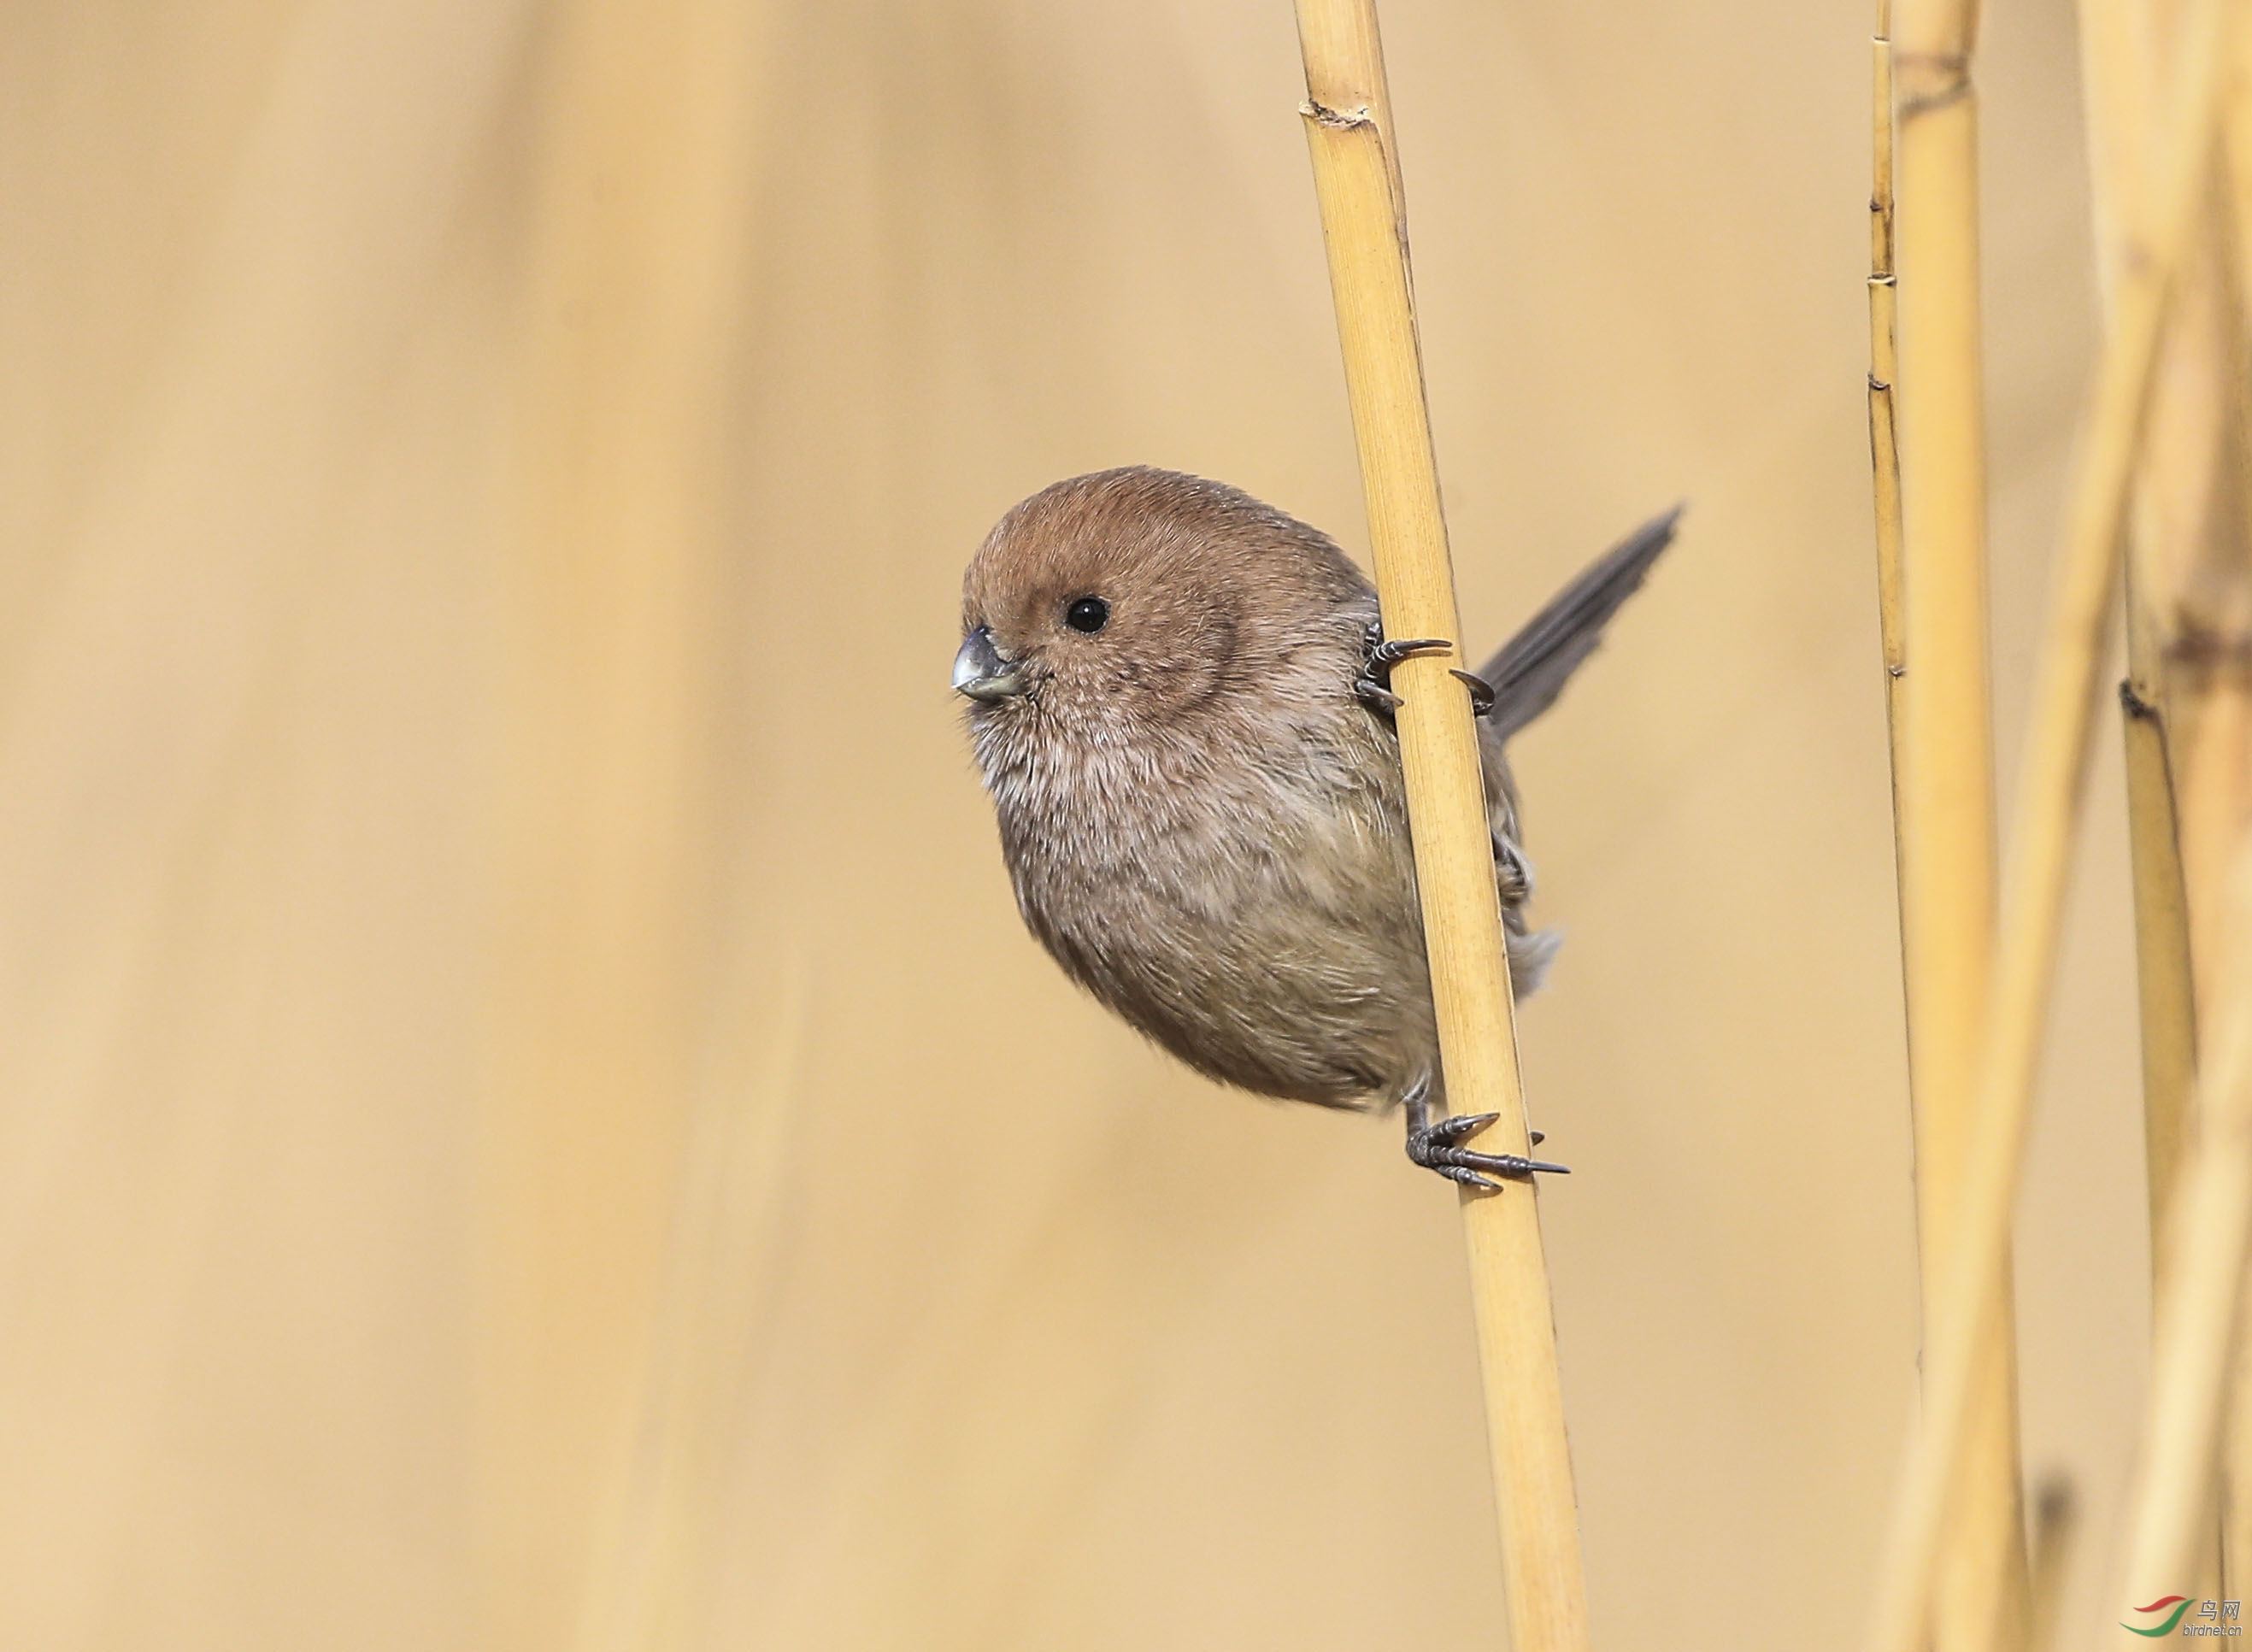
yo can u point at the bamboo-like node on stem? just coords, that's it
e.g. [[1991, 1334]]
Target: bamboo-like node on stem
[[1357, 177]]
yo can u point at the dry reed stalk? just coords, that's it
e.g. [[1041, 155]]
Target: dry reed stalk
[[1884, 428], [2215, 792], [665, 1557], [2200, 1312], [2176, 494], [2176, 491], [2118, 53], [1943, 756], [2217, 788], [1971, 1279], [2056, 1522], [2174, 498], [2210, 576], [1363, 223], [1884, 368], [2166, 1000], [639, 242]]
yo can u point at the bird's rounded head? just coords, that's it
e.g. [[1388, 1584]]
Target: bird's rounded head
[[1128, 599]]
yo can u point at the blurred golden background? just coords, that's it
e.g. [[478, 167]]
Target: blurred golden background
[[530, 1119]]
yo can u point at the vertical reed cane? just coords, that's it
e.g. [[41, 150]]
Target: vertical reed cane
[[2220, 790], [2045, 828], [2200, 1309], [2119, 56], [1884, 370], [1357, 177], [2178, 486], [1943, 755]]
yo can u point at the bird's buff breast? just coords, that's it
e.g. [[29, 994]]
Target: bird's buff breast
[[1257, 919]]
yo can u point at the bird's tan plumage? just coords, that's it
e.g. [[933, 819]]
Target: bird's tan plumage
[[1205, 824]]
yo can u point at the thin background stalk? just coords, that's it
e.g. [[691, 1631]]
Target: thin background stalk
[[2056, 1523], [1884, 368], [1364, 222], [2119, 55], [2217, 794], [1884, 429], [639, 244], [2045, 829], [2200, 1312], [2181, 530]]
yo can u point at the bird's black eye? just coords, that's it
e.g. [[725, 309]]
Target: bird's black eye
[[1088, 614]]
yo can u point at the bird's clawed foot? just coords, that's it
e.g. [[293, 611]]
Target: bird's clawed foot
[[1433, 1146], [1374, 687]]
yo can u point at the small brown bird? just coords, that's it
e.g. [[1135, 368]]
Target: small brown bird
[[1178, 701]]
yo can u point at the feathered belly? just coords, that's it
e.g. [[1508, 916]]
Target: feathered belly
[[1289, 963]]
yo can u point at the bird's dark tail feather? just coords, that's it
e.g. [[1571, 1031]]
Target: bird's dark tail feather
[[1532, 667]]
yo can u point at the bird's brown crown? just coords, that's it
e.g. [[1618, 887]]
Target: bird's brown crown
[[1146, 592]]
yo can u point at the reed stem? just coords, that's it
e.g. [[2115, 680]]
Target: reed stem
[[2056, 1523], [2165, 999], [2176, 489], [638, 239], [1884, 369], [2200, 1309], [1971, 1281], [1944, 759], [2119, 51], [1363, 223], [1884, 428], [2215, 619]]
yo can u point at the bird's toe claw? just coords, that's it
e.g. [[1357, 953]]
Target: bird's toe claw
[[1385, 655], [1467, 1177], [1482, 696], [1374, 687], [1433, 1148]]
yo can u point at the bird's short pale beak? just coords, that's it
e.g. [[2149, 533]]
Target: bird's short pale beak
[[982, 672]]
